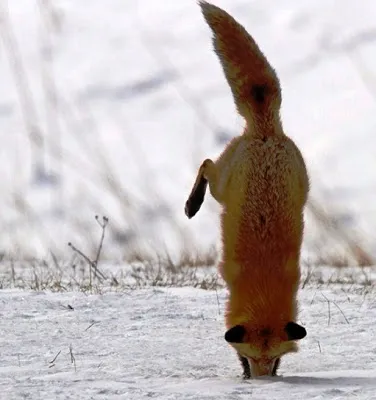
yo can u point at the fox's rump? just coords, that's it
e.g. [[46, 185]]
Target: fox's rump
[[268, 184]]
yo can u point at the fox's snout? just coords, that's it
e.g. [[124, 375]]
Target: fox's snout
[[263, 367]]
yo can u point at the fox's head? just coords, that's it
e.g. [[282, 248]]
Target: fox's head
[[263, 347]]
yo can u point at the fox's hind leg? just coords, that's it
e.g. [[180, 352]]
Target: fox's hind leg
[[206, 174], [246, 367]]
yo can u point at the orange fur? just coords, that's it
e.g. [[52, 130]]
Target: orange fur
[[261, 181]]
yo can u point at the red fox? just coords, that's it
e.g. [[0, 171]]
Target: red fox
[[262, 183]]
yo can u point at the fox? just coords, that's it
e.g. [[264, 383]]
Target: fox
[[262, 184]]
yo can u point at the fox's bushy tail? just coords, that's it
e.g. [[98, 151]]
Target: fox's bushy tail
[[253, 82]]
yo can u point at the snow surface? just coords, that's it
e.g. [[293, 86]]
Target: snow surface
[[167, 343], [142, 98]]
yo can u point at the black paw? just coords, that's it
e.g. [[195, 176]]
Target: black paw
[[276, 366], [195, 200], [246, 367], [246, 376]]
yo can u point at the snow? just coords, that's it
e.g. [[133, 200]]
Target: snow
[[167, 343], [142, 99]]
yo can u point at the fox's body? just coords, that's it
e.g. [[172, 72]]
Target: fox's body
[[261, 181]]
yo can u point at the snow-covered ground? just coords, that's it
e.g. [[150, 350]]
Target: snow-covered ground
[[167, 343], [133, 94]]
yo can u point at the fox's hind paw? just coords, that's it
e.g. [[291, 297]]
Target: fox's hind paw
[[206, 174], [196, 198]]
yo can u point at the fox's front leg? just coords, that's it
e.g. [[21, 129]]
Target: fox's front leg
[[246, 367], [206, 174]]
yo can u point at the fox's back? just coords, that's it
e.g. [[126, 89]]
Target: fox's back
[[264, 195]]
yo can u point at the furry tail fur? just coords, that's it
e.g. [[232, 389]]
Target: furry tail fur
[[253, 82]]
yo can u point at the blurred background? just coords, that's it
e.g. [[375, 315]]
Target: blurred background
[[109, 107]]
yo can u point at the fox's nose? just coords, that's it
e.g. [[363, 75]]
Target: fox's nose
[[262, 367]]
